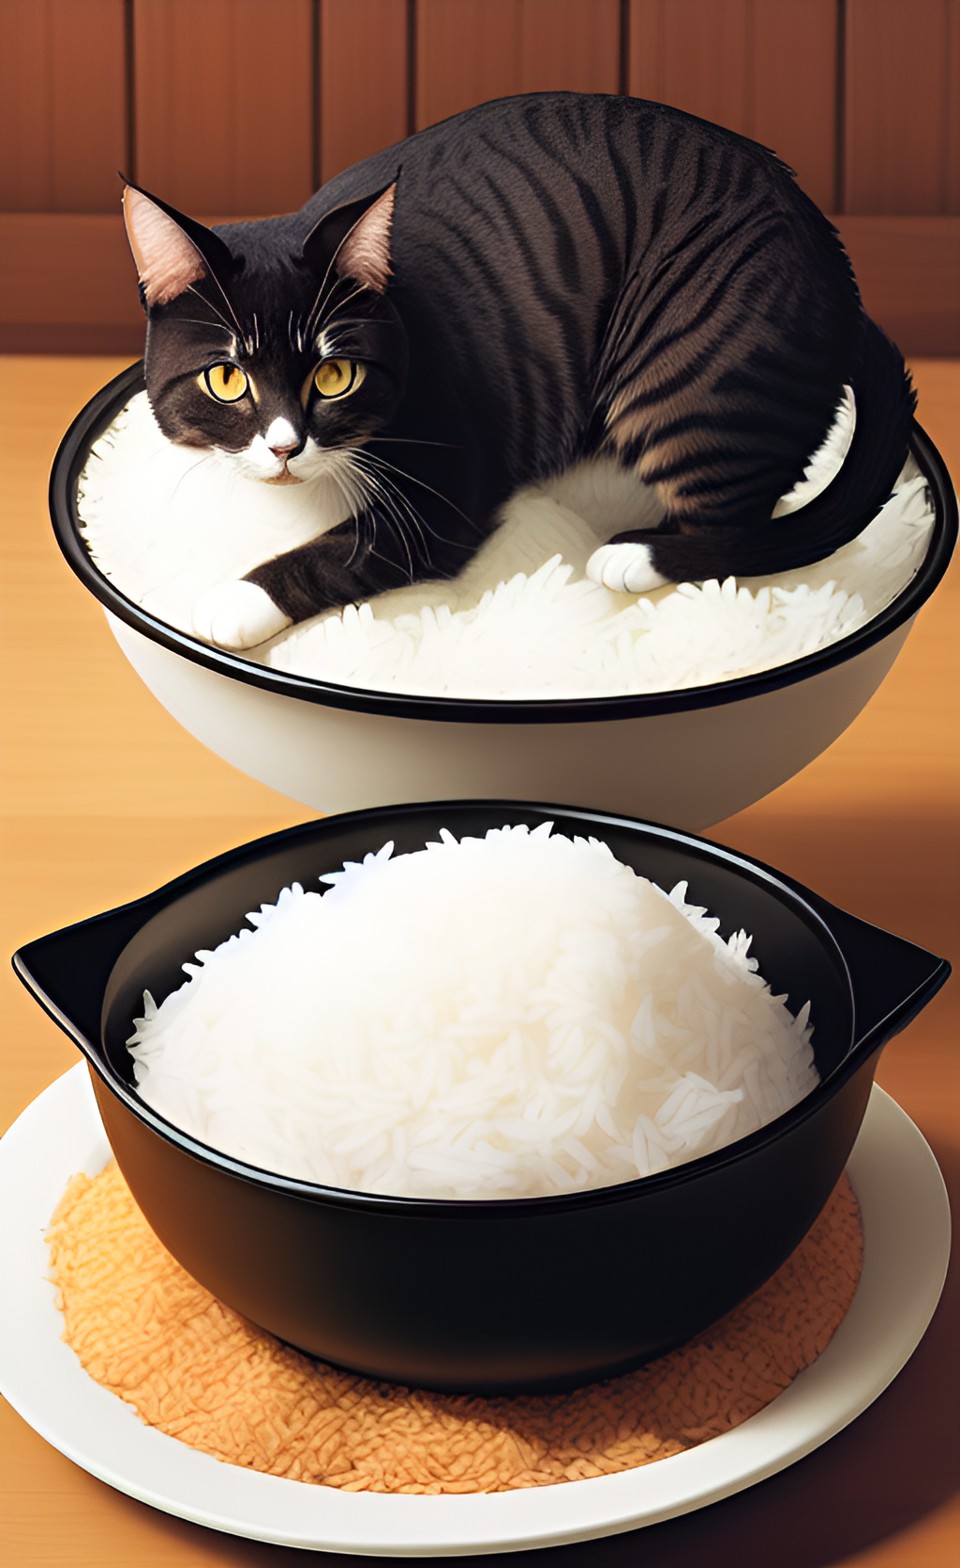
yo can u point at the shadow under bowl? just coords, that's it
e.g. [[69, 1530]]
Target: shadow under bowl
[[487, 1295], [688, 757]]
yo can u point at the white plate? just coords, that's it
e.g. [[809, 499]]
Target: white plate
[[907, 1240]]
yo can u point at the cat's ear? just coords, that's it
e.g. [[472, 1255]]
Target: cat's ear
[[171, 251], [355, 240]]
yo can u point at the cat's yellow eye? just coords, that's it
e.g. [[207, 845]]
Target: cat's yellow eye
[[226, 383], [336, 377]]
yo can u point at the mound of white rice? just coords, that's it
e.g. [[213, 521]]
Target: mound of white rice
[[523, 620], [498, 1017]]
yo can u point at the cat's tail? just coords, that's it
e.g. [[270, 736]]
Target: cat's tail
[[885, 401]]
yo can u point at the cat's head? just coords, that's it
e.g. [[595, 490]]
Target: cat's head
[[275, 350]]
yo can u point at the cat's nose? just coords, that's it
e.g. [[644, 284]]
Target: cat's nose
[[283, 440]]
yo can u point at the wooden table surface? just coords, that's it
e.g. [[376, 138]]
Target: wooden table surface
[[103, 796]]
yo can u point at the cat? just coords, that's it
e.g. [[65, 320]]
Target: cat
[[537, 282]]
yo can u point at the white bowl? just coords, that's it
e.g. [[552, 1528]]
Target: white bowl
[[687, 758]]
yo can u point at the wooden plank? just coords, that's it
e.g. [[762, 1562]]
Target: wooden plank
[[898, 56], [793, 85], [224, 103], [908, 269], [364, 80], [693, 54], [468, 51], [63, 113], [763, 68], [952, 93], [67, 285]]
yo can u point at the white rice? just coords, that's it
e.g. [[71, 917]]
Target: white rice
[[523, 620], [493, 1017]]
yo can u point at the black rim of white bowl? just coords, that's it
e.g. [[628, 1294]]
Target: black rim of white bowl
[[102, 410]]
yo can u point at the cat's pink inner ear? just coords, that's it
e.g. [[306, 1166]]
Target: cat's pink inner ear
[[167, 259], [365, 253]]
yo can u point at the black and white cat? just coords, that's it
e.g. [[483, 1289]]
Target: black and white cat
[[538, 282]]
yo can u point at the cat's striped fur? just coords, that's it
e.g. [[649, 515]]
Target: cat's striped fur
[[537, 282]]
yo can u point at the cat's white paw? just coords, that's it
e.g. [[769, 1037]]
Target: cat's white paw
[[237, 615], [626, 568]]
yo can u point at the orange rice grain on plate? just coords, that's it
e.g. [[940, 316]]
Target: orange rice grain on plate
[[195, 1369]]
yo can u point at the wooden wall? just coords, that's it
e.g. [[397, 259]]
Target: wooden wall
[[242, 107]]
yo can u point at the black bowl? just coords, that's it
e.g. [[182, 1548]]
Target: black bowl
[[487, 1295]]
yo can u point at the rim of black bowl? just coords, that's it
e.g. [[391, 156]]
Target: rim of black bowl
[[781, 886], [100, 412]]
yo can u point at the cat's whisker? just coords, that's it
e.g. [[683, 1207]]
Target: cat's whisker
[[351, 482], [188, 472], [337, 340], [317, 317], [320, 300], [402, 524], [226, 300], [394, 520], [321, 303], [341, 477], [395, 524], [354, 294], [328, 338], [378, 488], [194, 321], [451, 446], [412, 479], [408, 519], [296, 332], [234, 329], [373, 532], [331, 266], [405, 514]]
